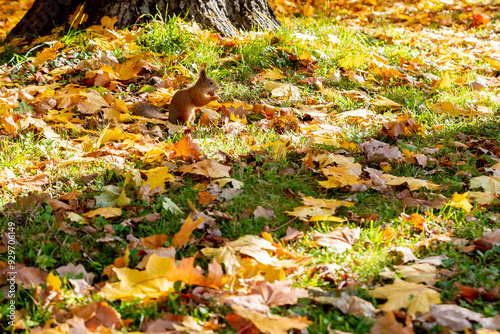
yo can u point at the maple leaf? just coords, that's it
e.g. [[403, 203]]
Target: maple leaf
[[261, 212], [324, 203], [134, 283], [45, 55], [377, 150], [415, 273], [29, 183], [94, 103], [491, 238], [407, 254], [187, 273], [278, 293], [207, 168], [413, 184], [356, 113], [109, 196], [388, 324], [488, 183], [181, 237], [273, 74], [54, 282], [103, 316], [170, 206], [403, 126], [265, 295], [451, 109], [154, 241], [349, 304], [255, 247], [461, 201], [385, 102], [271, 323], [340, 239], [414, 297], [76, 270], [340, 181], [156, 177], [186, 149], [457, 318], [306, 212], [283, 90], [105, 212], [78, 17]]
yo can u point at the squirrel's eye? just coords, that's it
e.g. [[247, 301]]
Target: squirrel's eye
[[211, 83]]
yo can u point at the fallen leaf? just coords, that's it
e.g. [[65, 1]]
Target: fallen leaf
[[461, 201], [387, 324], [407, 254], [207, 168], [414, 297], [105, 212], [457, 318], [413, 184], [376, 150], [284, 90], [271, 323], [340, 239], [278, 293], [154, 241], [261, 212], [349, 304], [181, 237]]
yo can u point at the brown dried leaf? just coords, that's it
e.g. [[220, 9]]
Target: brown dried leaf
[[207, 168]]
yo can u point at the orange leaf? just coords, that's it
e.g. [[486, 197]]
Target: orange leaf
[[154, 241], [181, 237], [186, 149], [186, 272], [389, 233], [204, 198]]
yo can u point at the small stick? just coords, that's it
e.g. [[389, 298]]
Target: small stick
[[288, 222]]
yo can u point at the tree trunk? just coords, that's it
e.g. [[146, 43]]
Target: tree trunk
[[224, 16]]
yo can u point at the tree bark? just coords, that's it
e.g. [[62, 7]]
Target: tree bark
[[224, 16]]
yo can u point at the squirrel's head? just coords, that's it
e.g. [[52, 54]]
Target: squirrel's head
[[205, 82]]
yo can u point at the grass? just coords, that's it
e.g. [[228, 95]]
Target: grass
[[270, 182]]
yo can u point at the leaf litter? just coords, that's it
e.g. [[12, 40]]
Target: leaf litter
[[84, 108]]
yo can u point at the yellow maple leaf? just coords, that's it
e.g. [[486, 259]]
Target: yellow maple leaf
[[45, 55], [461, 201], [450, 108], [105, 212], [413, 184], [401, 294], [157, 177], [272, 323], [324, 203], [340, 181], [274, 74], [151, 282], [306, 212], [54, 282], [444, 82]]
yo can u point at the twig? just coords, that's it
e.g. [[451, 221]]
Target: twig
[[288, 222]]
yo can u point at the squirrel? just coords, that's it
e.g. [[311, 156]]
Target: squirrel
[[184, 102]]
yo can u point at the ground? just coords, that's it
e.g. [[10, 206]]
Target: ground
[[345, 181]]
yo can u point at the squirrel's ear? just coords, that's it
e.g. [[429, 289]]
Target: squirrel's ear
[[202, 73]]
